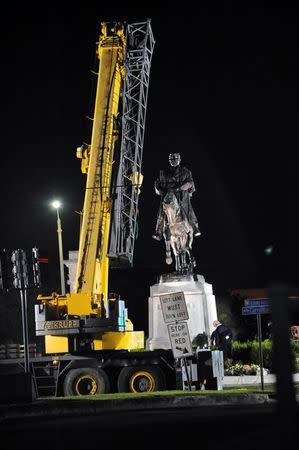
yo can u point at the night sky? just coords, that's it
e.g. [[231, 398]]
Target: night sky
[[222, 93]]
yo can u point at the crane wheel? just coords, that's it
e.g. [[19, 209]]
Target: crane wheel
[[141, 379], [85, 381]]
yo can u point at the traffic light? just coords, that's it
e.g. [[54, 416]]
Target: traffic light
[[269, 250], [16, 269], [16, 273], [19, 269], [36, 269], [24, 271]]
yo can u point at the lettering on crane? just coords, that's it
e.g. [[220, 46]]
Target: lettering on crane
[[61, 324]]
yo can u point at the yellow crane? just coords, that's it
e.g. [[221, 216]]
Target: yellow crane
[[87, 317]]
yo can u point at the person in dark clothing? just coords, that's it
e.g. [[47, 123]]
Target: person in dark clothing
[[179, 180], [222, 338]]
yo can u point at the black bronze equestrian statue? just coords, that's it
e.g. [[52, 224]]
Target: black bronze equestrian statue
[[176, 219]]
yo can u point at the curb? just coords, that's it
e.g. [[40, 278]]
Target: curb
[[238, 380], [72, 408]]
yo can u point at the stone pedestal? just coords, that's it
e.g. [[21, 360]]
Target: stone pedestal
[[200, 301]]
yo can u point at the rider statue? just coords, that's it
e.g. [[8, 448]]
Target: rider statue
[[178, 180]]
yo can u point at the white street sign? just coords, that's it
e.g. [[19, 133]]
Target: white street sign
[[180, 339], [174, 307]]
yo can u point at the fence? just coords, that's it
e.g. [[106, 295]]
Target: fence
[[12, 351]]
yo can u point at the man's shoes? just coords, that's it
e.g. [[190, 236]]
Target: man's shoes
[[156, 236]]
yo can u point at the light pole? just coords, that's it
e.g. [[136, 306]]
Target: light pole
[[57, 204]]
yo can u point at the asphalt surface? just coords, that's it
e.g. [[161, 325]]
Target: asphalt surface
[[141, 424]]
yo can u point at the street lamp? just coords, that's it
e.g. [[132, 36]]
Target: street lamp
[[56, 205]]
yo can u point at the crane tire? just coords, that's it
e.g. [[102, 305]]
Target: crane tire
[[85, 381], [141, 379]]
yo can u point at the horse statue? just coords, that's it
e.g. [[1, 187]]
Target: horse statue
[[178, 235]]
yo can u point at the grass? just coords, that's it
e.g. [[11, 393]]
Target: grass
[[119, 396], [233, 390]]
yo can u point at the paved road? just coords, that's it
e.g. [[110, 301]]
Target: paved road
[[253, 427]]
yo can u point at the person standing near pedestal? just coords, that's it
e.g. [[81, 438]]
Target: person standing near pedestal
[[222, 338]]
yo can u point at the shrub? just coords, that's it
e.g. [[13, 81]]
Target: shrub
[[248, 353], [267, 353], [241, 351]]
